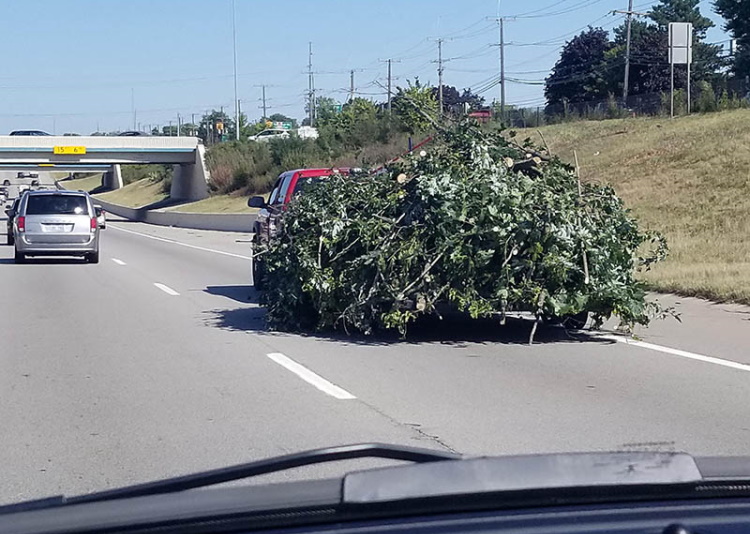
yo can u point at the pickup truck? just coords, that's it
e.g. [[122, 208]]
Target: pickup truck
[[270, 219]]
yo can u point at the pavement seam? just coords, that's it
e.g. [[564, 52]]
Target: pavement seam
[[409, 426]]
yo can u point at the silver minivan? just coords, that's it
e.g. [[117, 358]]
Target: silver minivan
[[56, 223]]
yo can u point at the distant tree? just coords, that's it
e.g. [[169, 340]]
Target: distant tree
[[736, 13], [188, 129], [707, 60], [412, 103], [455, 101], [649, 66], [208, 130], [279, 117], [325, 110], [581, 72]]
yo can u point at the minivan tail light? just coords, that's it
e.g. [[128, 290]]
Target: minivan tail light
[[94, 224], [21, 223]]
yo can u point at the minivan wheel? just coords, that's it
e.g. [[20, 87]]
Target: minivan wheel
[[92, 257], [11, 241], [19, 257]]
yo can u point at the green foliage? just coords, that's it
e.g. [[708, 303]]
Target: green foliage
[[250, 167], [580, 74], [408, 102], [155, 173], [208, 131], [706, 98], [239, 166], [476, 223], [737, 16], [359, 124], [279, 117]]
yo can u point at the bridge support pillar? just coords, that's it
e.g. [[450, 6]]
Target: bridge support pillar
[[190, 181], [113, 179]]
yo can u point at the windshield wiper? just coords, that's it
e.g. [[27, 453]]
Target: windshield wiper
[[247, 470]]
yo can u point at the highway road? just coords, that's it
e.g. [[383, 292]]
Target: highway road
[[156, 362]]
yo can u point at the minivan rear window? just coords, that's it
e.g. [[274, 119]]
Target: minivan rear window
[[56, 204]]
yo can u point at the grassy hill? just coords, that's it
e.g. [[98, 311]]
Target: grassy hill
[[688, 178]]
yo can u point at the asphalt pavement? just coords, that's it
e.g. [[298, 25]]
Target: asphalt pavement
[[157, 362]]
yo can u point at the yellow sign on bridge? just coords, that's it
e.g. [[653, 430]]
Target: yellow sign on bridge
[[74, 150]]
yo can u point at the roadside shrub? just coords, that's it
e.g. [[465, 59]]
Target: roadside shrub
[[133, 173], [706, 98], [239, 166]]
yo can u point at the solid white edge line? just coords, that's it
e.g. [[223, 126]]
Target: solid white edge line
[[168, 290], [196, 247], [118, 262], [678, 352], [310, 377]]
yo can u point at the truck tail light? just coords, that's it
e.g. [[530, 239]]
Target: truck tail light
[[21, 223]]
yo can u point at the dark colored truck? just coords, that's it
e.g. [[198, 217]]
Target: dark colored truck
[[270, 219]]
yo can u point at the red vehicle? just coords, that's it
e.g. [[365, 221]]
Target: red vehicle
[[268, 224]]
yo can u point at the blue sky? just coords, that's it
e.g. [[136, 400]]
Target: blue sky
[[75, 65]]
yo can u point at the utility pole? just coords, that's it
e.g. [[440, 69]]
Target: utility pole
[[178, 124], [501, 46], [132, 105], [311, 88], [239, 114], [626, 83], [234, 49], [265, 112], [629, 24], [351, 85], [390, 61], [502, 69], [440, 75]]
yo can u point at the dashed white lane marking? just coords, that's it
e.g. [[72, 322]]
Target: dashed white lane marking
[[310, 377], [168, 290], [678, 352], [172, 241], [118, 262]]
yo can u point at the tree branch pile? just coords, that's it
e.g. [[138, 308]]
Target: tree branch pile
[[480, 222]]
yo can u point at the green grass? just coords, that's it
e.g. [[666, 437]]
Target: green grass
[[688, 178], [216, 204], [136, 194], [88, 183]]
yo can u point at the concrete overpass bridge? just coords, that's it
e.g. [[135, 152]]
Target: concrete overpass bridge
[[57, 153]]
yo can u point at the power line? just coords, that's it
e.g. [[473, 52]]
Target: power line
[[576, 7]]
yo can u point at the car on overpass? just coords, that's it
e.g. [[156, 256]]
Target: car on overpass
[[56, 223], [134, 133], [34, 133], [270, 219]]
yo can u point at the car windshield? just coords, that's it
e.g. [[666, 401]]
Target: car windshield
[[305, 182], [56, 204], [515, 228]]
